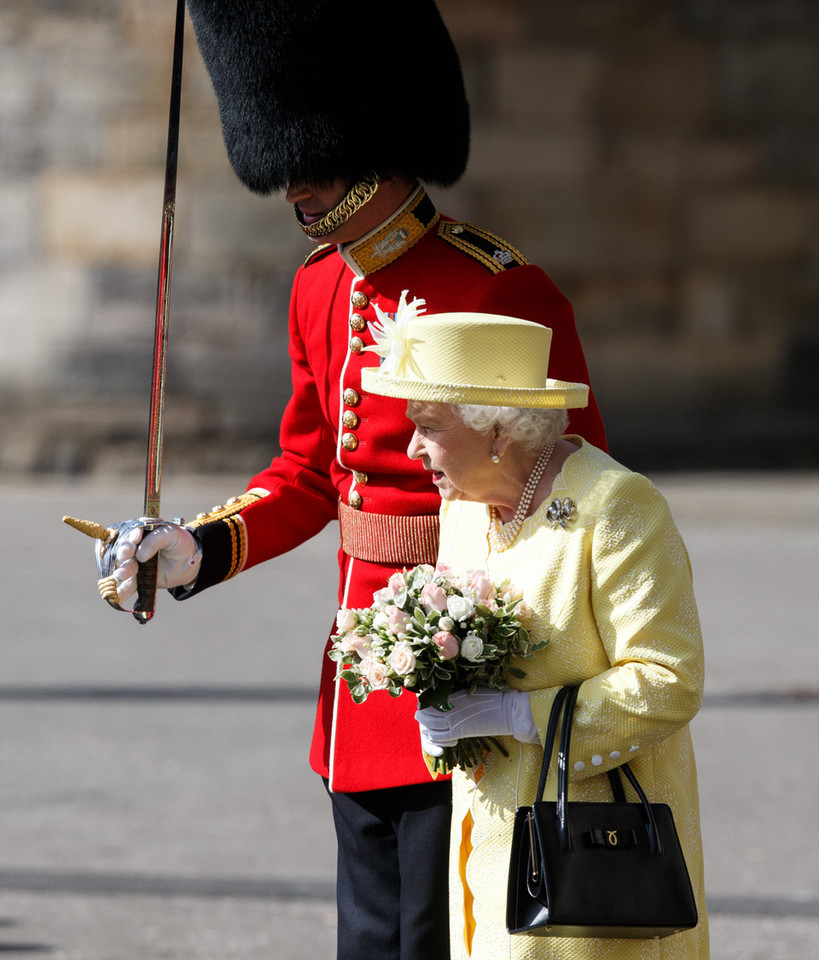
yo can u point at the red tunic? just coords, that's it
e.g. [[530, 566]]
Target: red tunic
[[340, 443]]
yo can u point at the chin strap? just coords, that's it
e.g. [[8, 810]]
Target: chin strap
[[355, 198]]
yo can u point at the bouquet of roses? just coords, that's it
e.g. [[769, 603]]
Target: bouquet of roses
[[432, 631]]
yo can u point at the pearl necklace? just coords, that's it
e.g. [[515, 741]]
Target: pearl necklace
[[501, 535]]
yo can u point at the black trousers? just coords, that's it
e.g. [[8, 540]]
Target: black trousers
[[392, 889]]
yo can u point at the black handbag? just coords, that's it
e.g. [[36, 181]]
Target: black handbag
[[595, 869]]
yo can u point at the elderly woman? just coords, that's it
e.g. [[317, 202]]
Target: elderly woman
[[607, 579]]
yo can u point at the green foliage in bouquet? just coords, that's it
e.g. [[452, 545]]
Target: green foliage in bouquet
[[433, 631]]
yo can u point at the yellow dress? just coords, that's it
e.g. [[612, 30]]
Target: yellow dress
[[612, 592]]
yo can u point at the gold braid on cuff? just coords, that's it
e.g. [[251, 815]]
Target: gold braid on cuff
[[352, 202]]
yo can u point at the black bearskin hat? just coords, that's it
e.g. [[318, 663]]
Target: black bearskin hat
[[320, 90]]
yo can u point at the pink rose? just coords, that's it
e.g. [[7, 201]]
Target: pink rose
[[395, 584], [511, 593], [352, 643], [482, 586], [397, 621], [446, 643], [433, 597]]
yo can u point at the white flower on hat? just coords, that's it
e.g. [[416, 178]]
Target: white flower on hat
[[391, 334]]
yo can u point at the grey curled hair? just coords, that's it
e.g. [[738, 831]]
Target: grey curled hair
[[529, 427]]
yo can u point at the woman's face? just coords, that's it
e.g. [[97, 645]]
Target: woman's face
[[458, 457]]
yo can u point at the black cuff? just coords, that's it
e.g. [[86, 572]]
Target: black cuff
[[216, 542]]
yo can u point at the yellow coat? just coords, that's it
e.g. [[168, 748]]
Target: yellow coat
[[612, 592]]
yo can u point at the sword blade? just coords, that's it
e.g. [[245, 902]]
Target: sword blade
[[146, 577]]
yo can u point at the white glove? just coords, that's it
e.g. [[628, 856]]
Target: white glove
[[485, 713], [180, 557]]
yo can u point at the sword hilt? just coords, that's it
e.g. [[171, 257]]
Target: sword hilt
[[145, 603], [105, 554]]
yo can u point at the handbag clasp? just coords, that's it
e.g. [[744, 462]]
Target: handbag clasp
[[532, 857]]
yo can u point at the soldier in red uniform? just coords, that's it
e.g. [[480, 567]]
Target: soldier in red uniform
[[352, 150]]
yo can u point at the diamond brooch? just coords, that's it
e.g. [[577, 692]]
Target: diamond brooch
[[559, 512]]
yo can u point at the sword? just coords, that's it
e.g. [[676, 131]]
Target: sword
[[145, 603], [146, 578]]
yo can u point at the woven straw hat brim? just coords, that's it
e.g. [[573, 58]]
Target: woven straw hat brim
[[556, 395]]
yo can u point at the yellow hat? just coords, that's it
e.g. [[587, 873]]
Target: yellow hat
[[479, 358]]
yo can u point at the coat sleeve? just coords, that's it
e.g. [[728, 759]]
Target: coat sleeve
[[645, 614], [287, 503], [528, 293], [302, 498]]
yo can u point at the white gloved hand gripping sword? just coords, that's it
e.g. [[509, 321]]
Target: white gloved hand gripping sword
[[109, 537]]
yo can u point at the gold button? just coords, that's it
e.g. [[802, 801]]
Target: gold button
[[357, 322], [356, 345], [355, 500], [351, 398], [457, 229], [350, 420], [349, 441], [360, 300], [361, 478]]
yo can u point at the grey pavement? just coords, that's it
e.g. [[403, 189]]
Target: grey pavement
[[155, 794]]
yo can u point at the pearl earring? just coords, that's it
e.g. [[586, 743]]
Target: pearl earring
[[495, 458]]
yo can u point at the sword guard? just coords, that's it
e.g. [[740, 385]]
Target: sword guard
[[105, 555]]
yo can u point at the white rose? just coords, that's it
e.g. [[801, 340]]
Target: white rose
[[375, 672], [459, 608], [472, 647], [380, 621], [447, 624], [345, 620], [402, 658]]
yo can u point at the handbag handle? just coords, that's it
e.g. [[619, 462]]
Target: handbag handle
[[549, 745], [565, 700]]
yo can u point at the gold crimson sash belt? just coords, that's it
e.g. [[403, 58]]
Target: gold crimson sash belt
[[381, 538]]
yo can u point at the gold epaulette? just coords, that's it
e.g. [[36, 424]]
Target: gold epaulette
[[485, 247], [317, 254]]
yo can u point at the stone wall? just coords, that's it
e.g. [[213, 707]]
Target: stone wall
[[659, 158]]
